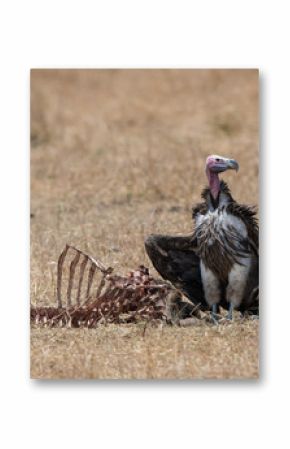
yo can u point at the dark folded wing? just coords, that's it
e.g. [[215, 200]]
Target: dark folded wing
[[175, 259]]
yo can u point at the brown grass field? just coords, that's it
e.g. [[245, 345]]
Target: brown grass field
[[116, 155]]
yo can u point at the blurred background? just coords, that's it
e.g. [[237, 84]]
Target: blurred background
[[119, 154]]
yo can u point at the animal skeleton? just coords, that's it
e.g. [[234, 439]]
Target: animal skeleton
[[115, 299]]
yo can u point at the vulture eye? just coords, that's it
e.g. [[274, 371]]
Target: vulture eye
[[217, 159]]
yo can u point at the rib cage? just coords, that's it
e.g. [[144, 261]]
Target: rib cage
[[86, 261], [113, 299]]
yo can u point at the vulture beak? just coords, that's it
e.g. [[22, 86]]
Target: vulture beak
[[232, 164]]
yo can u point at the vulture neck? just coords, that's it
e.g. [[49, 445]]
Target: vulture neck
[[214, 183]]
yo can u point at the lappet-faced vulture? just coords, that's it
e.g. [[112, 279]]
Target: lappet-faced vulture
[[217, 264]]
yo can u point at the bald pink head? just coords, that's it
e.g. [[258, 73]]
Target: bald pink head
[[215, 165]]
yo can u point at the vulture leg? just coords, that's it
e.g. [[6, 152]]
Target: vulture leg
[[176, 261], [212, 290], [230, 312], [237, 283], [214, 314]]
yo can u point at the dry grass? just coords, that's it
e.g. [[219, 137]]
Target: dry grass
[[115, 156], [124, 352]]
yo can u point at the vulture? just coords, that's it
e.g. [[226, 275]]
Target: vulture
[[218, 263]]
